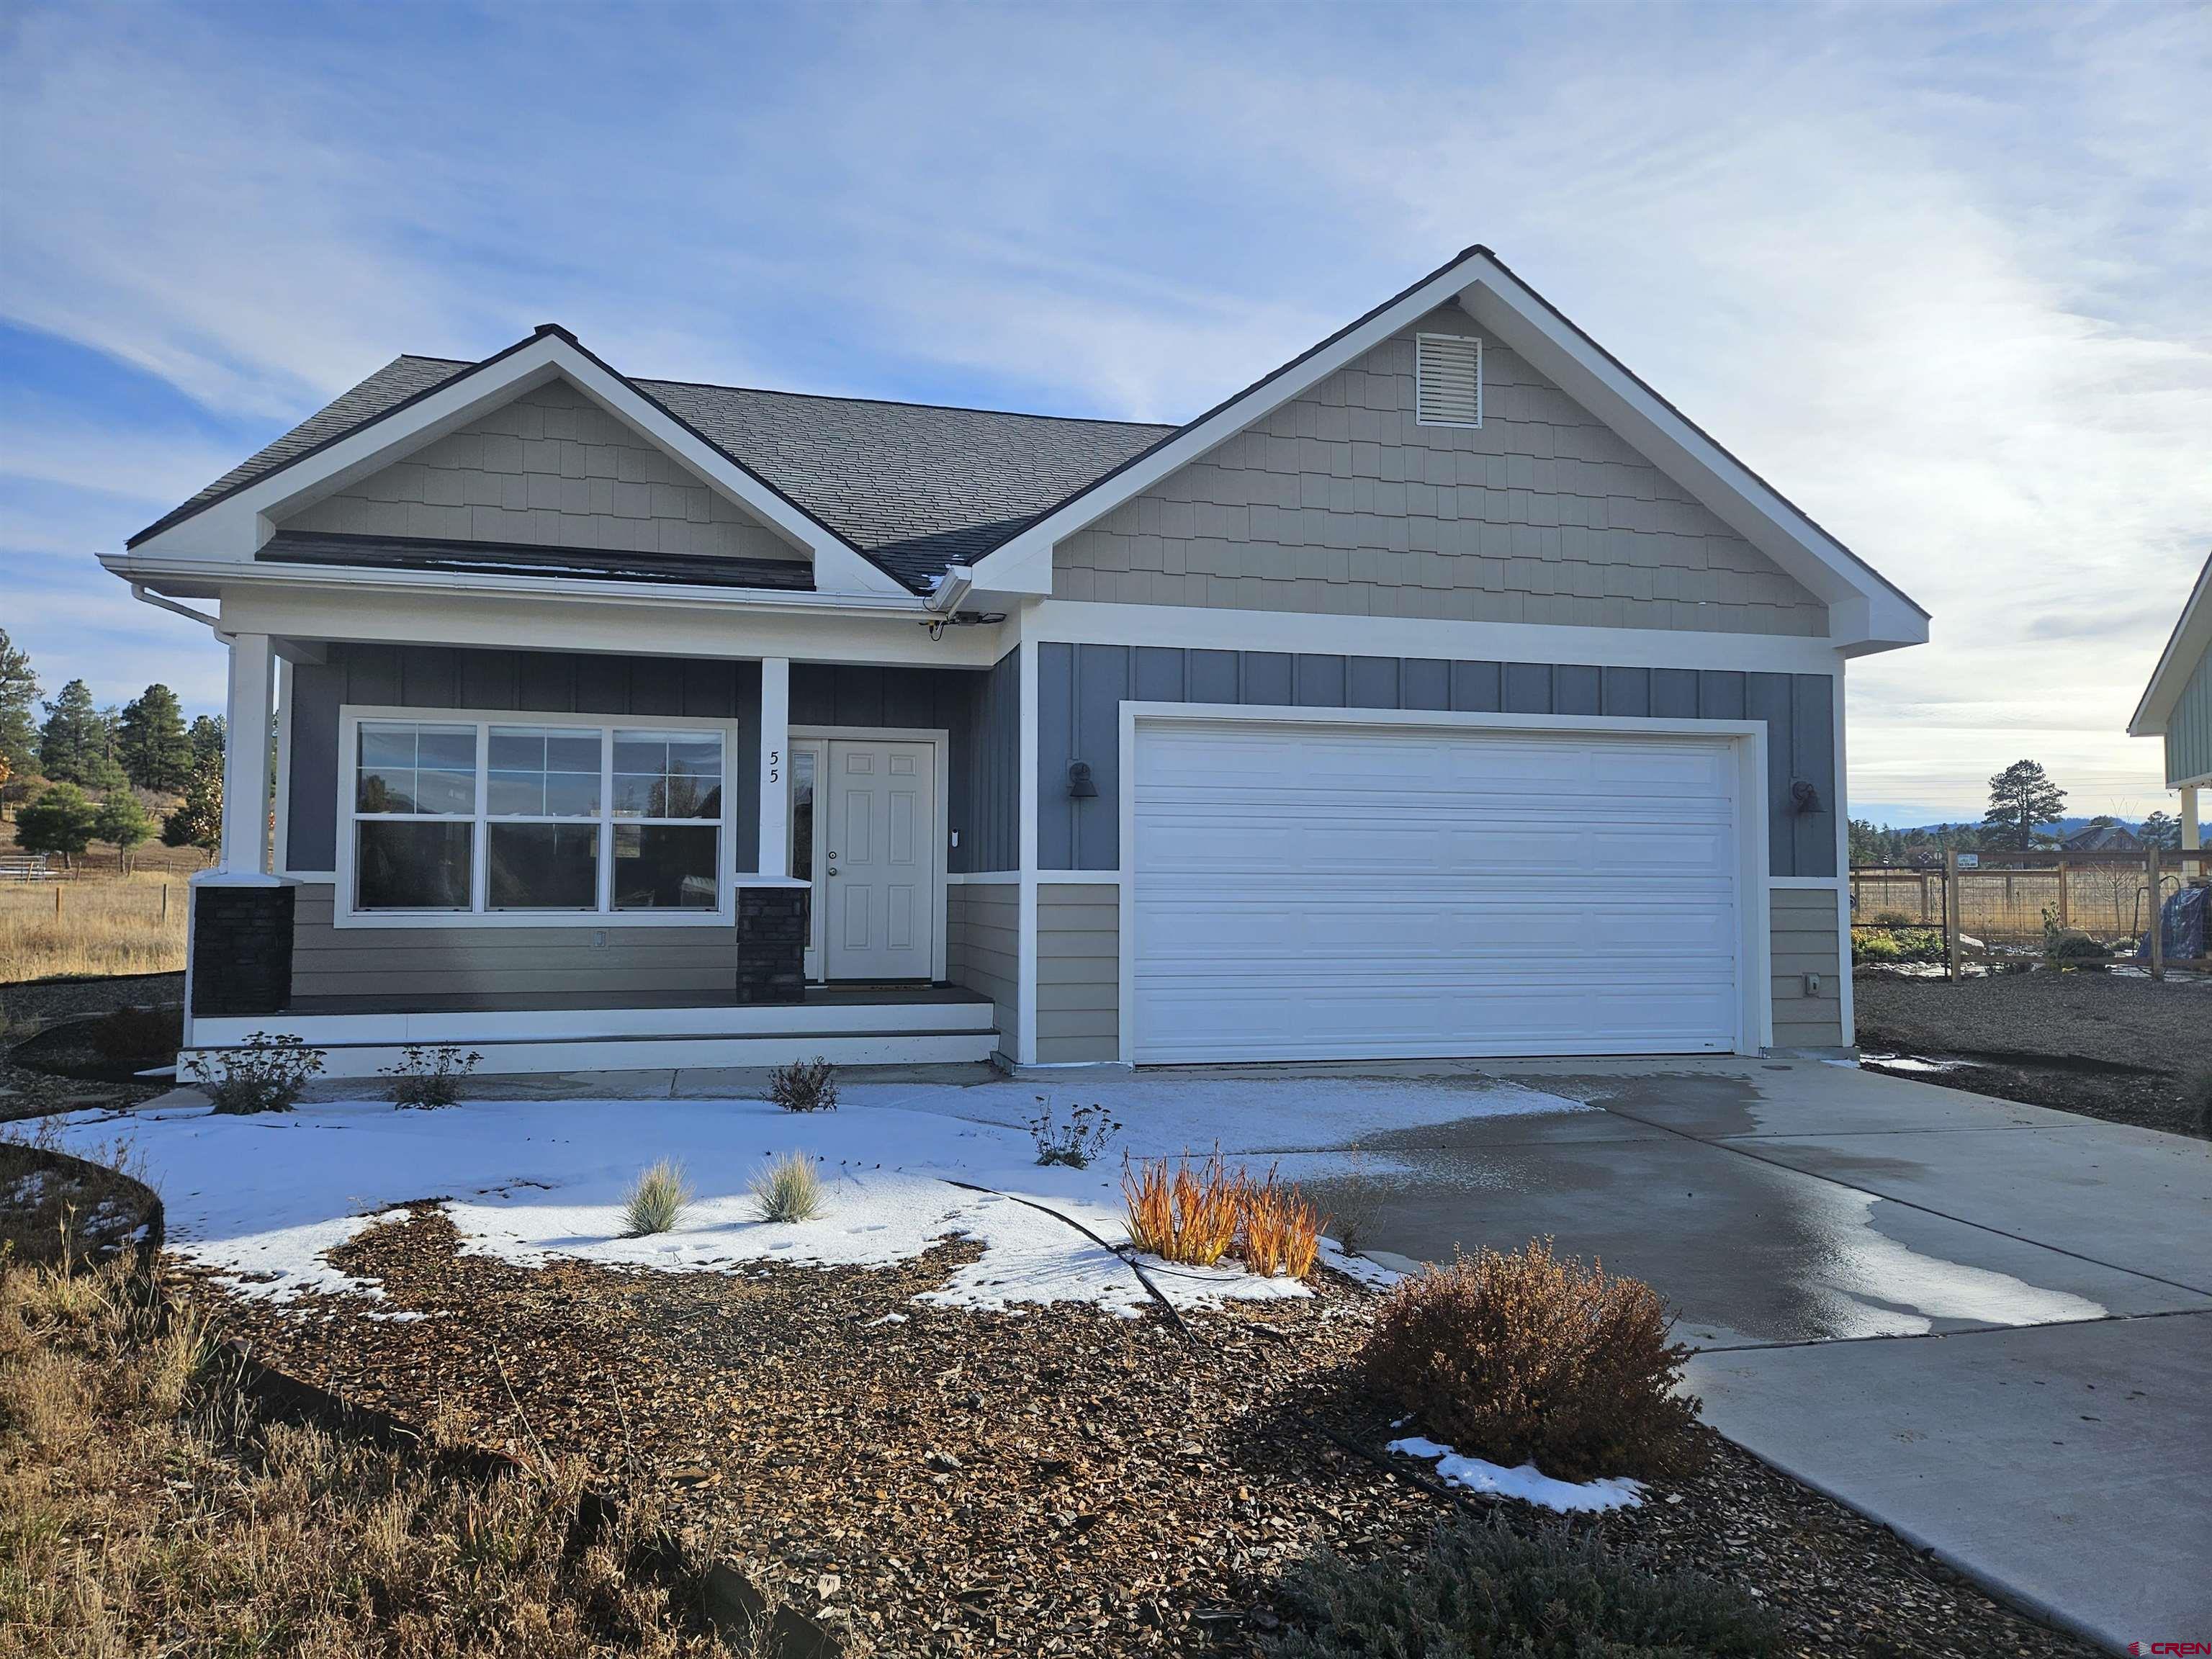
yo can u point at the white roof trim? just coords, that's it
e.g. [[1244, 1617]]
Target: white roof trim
[[1866, 611], [234, 528], [2184, 648]]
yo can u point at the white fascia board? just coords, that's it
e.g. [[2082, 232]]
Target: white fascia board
[[2184, 648], [1866, 612], [1023, 565], [1082, 622], [236, 527], [556, 617]]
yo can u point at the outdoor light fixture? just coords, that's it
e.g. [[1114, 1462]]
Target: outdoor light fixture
[[1803, 796], [1080, 786]]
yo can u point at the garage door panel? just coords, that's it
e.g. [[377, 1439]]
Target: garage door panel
[[1314, 892]]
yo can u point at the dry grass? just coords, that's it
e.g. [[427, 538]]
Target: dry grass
[[105, 924], [789, 1190], [1182, 1213], [656, 1201], [1281, 1232], [1526, 1357], [144, 1509]]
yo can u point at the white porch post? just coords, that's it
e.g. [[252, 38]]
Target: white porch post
[[775, 767], [2189, 843], [246, 758]]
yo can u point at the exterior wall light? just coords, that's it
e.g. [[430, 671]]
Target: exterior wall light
[[1080, 786], [1803, 796]]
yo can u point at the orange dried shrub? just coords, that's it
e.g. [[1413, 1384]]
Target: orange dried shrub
[[1281, 1230], [1179, 1213], [1527, 1357]]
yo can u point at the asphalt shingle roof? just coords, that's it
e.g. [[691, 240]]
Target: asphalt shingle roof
[[916, 487]]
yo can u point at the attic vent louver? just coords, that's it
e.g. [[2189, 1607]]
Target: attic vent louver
[[1448, 378]]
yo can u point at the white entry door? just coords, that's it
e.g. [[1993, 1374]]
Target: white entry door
[[1318, 891], [877, 864]]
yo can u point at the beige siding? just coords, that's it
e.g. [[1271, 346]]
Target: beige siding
[[1340, 501], [554, 470], [1805, 941], [1078, 972], [983, 947], [501, 964]]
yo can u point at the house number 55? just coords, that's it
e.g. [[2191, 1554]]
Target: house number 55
[[775, 765]]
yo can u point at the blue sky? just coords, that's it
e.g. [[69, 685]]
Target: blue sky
[[1939, 272]]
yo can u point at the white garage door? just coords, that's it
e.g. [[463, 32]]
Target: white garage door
[[1315, 892]]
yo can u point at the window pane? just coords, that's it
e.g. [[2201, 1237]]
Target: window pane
[[572, 794], [446, 792], [542, 866], [637, 751], [516, 749], [446, 747], [802, 816], [389, 790], [388, 745], [572, 751], [667, 867], [634, 792], [697, 755], [411, 867], [513, 793]]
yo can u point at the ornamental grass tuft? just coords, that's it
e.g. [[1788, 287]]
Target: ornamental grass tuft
[[656, 1201]]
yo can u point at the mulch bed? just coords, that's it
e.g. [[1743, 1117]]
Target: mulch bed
[[2116, 1046], [34, 1016], [935, 1481]]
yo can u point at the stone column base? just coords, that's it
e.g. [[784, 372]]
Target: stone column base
[[772, 944]]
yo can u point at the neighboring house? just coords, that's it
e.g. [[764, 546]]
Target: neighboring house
[[2177, 705], [1444, 692], [2103, 838]]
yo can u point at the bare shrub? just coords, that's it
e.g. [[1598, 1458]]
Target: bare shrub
[[1279, 1230], [1182, 1213], [429, 1077], [805, 1085], [266, 1075], [656, 1200], [789, 1190], [1527, 1357], [1079, 1142]]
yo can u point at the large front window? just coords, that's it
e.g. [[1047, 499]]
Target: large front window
[[535, 818]]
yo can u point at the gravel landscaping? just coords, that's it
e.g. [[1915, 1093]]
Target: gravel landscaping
[[2120, 1047], [29, 1013]]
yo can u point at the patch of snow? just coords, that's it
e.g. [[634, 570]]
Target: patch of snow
[[1911, 1063], [886, 1319], [1525, 1483], [1360, 1269]]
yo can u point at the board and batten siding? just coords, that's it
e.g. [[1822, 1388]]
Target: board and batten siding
[[551, 469], [1341, 501], [983, 947], [1080, 689], [2189, 729], [460, 967], [1806, 940], [1079, 989]]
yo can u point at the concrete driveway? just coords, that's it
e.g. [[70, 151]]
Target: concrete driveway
[[1988, 1326]]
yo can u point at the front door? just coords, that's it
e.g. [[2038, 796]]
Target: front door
[[876, 866]]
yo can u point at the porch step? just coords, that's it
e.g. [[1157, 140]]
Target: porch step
[[671, 1051]]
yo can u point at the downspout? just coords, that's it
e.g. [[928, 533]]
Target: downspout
[[139, 591]]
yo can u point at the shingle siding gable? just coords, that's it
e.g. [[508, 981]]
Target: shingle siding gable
[[1341, 502]]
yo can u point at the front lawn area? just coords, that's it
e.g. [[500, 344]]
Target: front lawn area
[[936, 1420]]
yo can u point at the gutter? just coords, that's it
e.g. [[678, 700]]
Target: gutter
[[140, 593]]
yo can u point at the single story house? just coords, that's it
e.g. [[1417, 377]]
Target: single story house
[[1446, 692], [2176, 706]]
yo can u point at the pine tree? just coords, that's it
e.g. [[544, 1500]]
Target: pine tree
[[2161, 830], [19, 695], [2022, 796], [71, 737], [206, 738], [197, 821], [58, 821], [151, 741], [122, 823]]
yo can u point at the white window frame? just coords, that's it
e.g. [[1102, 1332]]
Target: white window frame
[[1457, 339], [351, 718]]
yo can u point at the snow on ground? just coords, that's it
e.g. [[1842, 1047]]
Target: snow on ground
[[1525, 1483], [262, 1200]]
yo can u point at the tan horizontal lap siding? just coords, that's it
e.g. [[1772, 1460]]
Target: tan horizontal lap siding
[[436, 962], [1078, 972], [983, 948], [551, 469], [1805, 940], [1341, 501]]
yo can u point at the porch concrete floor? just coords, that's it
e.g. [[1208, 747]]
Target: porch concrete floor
[[1986, 1325], [817, 996]]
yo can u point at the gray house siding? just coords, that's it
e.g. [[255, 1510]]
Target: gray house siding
[[1805, 941], [1078, 972], [553, 469], [983, 947], [1080, 689], [2189, 728], [1341, 501]]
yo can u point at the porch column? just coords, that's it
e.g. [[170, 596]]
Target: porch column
[[775, 767], [245, 758], [2189, 843]]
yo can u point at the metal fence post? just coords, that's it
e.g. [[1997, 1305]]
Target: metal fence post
[[2157, 916], [2065, 902]]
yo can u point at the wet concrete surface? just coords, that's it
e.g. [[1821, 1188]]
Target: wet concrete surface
[[1916, 1299]]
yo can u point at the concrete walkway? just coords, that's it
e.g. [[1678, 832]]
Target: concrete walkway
[[1988, 1326]]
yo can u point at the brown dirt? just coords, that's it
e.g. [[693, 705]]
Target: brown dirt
[[28, 1010], [1051, 1481], [2119, 1046]]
